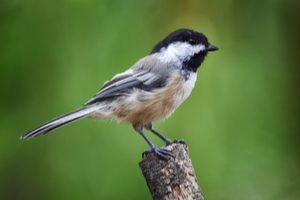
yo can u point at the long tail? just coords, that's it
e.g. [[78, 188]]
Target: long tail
[[61, 121]]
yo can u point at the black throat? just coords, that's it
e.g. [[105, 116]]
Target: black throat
[[194, 62]]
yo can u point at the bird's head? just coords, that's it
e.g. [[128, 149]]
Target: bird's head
[[185, 48]]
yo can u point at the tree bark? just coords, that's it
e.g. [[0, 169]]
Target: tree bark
[[171, 179]]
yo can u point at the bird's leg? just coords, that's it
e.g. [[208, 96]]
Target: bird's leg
[[163, 153], [150, 128]]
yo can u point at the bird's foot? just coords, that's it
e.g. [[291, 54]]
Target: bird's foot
[[163, 153], [180, 141], [168, 142]]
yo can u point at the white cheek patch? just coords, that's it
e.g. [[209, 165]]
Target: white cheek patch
[[178, 52]]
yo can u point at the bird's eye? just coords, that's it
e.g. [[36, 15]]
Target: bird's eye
[[192, 41]]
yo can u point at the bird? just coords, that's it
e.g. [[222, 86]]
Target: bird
[[149, 91]]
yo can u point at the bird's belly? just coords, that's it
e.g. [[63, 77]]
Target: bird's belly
[[143, 107]]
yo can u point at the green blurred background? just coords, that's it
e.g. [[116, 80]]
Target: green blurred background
[[241, 121]]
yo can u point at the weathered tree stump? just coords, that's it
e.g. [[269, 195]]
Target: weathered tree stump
[[171, 179]]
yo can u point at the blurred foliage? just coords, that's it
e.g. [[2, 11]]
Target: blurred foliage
[[241, 121]]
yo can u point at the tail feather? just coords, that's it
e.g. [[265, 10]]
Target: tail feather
[[61, 121]]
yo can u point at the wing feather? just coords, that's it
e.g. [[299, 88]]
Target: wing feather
[[138, 77]]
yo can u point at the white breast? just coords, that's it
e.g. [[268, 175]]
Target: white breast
[[187, 89]]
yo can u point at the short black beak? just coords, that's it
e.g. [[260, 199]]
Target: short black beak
[[212, 48]]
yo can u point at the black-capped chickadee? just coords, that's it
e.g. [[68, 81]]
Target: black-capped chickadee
[[151, 90]]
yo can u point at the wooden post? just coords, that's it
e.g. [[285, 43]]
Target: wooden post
[[174, 178]]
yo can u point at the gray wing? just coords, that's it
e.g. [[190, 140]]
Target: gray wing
[[138, 77]]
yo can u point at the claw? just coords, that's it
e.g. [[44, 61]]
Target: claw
[[163, 153], [168, 142], [180, 141]]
